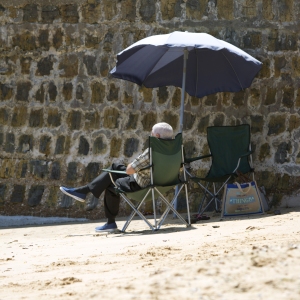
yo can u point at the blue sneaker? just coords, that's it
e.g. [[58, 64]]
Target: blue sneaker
[[112, 227], [71, 192]]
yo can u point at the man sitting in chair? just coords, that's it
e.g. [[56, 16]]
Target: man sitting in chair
[[134, 180]]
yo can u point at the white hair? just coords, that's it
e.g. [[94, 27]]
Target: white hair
[[164, 130]]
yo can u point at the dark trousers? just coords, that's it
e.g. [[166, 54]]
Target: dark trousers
[[103, 183]]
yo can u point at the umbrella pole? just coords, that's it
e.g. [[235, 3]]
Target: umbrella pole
[[185, 57]]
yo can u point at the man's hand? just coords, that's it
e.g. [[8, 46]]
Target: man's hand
[[130, 170]]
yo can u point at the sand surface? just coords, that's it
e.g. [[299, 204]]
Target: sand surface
[[255, 257]]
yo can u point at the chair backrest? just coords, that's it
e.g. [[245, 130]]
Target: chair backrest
[[166, 160], [227, 144]]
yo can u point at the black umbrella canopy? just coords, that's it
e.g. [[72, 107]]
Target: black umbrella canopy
[[212, 65]]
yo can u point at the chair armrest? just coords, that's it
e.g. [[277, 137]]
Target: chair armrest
[[188, 160], [114, 171], [247, 154]]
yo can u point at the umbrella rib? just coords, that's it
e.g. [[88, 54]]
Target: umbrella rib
[[233, 70]]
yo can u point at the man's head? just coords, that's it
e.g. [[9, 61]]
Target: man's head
[[162, 130]]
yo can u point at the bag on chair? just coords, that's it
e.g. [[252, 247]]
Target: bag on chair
[[241, 199]]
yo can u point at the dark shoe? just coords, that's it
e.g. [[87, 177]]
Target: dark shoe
[[72, 193], [112, 227]]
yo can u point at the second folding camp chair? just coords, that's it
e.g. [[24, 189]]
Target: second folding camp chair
[[166, 162], [230, 151]]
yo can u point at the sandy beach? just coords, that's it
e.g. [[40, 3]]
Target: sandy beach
[[252, 257]]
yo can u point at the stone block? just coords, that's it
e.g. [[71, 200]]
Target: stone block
[[189, 120], [58, 38], [72, 172], [21, 169], [23, 89], [18, 194], [252, 40], [279, 41], [39, 169], [55, 171], [294, 122], [254, 97], [190, 149], [60, 145], [171, 118], [91, 12], [67, 90], [25, 143], [288, 97], [104, 68], [131, 146], [128, 10], [265, 71], [238, 99], [45, 145], [30, 13], [52, 199], [279, 64], [108, 41], [25, 41], [286, 10], [115, 147], [36, 118], [176, 99], [170, 9], [40, 94], [225, 10], [162, 95], [25, 63], [52, 91], [249, 9], [148, 120], [54, 117], [90, 64], [132, 121], [79, 92], [270, 97], [113, 94], [50, 13], [45, 66], [257, 123], [276, 124], [99, 146], [128, 99], [84, 146], [9, 143], [91, 171], [219, 119], [203, 124], [43, 40], [6, 92], [295, 64], [92, 120], [35, 195], [111, 118], [195, 9], [110, 9], [2, 193], [264, 151], [7, 169], [267, 10], [4, 116], [147, 11], [281, 155], [1, 138], [69, 13], [147, 94], [74, 120], [98, 92], [211, 100], [19, 116], [68, 65]]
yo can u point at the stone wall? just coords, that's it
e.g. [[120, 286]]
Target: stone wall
[[63, 118]]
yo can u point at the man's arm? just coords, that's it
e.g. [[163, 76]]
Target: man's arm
[[130, 170]]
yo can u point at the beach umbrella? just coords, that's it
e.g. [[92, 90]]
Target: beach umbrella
[[197, 62]]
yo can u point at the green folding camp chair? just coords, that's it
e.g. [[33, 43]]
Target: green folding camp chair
[[230, 150], [166, 161]]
